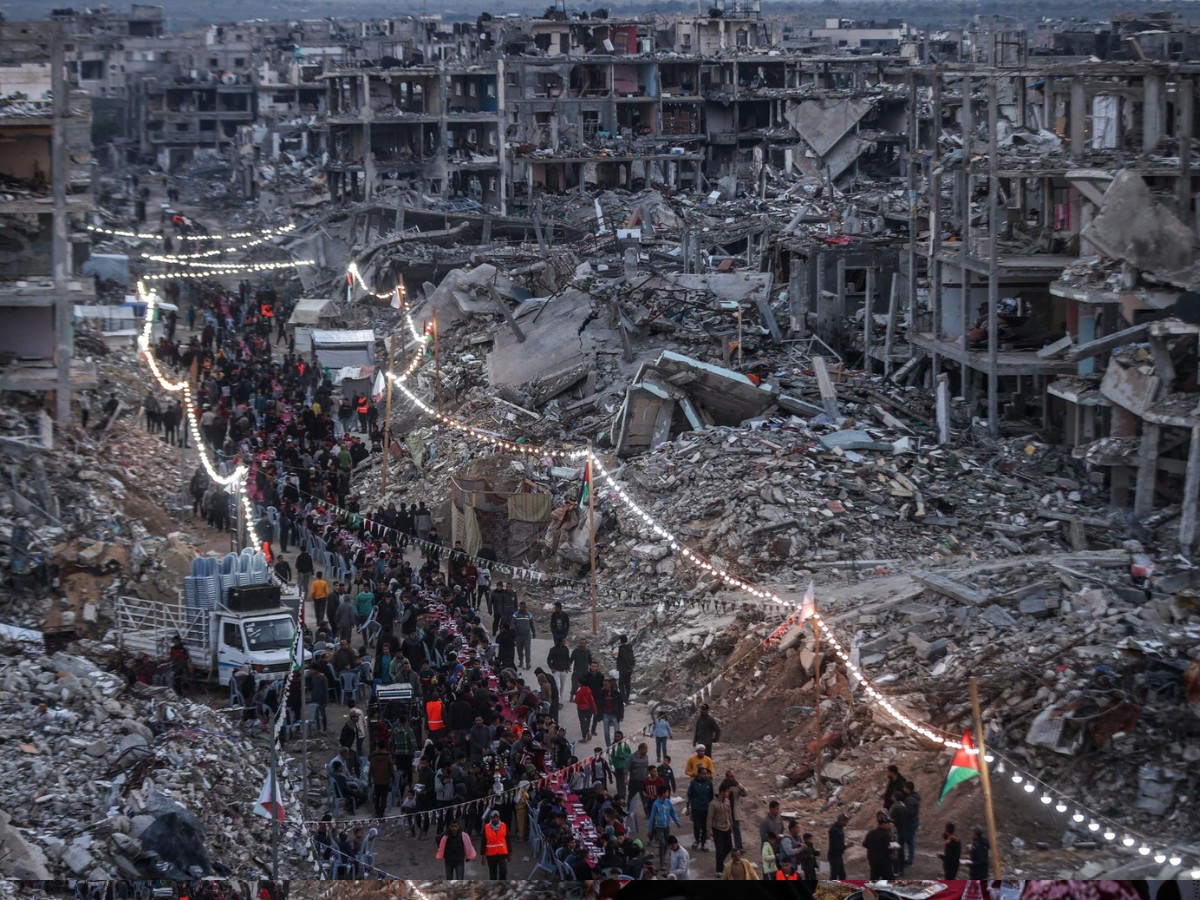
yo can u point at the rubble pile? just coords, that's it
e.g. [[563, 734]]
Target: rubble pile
[[789, 498], [177, 779]]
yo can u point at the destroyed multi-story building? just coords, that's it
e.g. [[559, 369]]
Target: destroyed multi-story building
[[39, 254]]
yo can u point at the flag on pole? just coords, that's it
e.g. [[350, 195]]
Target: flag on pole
[[809, 606], [965, 765], [270, 801], [586, 490], [377, 388], [396, 302]]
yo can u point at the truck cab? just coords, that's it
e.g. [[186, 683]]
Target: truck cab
[[261, 640]]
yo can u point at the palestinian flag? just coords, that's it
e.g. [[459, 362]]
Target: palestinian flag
[[586, 490], [270, 801], [964, 767]]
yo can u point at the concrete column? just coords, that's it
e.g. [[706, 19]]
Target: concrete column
[[1191, 493], [1184, 120], [1153, 111], [1143, 503], [1049, 106], [1077, 116]]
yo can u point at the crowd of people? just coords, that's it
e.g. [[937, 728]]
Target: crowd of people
[[471, 755]]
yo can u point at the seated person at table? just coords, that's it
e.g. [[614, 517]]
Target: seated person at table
[[577, 782], [612, 817], [611, 858], [555, 832], [575, 856]]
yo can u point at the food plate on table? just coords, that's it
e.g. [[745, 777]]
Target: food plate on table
[[907, 890]]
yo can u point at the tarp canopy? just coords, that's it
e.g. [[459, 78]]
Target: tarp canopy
[[338, 349], [108, 267], [312, 311]]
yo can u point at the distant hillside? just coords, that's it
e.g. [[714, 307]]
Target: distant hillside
[[945, 13]]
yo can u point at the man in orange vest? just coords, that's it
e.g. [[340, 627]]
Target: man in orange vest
[[786, 871], [495, 837], [363, 408], [433, 715]]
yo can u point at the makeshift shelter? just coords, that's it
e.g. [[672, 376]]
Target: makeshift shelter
[[505, 514], [310, 313], [336, 349]]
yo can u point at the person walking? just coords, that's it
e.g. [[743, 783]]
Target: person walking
[[612, 709], [699, 797], [625, 662], [581, 662], [618, 758], [720, 821], [678, 860], [585, 706], [495, 848], [662, 733], [658, 823], [304, 572], [707, 731], [559, 661], [739, 868], [455, 850], [523, 626], [318, 589], [383, 772], [837, 848], [736, 793], [560, 623]]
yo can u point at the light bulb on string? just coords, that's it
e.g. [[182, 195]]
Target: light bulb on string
[[1093, 825], [1175, 860], [1060, 807], [1017, 778], [1128, 840], [1030, 787], [1047, 799], [1144, 850], [1109, 834], [1077, 817], [1160, 858]]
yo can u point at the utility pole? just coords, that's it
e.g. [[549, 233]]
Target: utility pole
[[984, 778], [387, 414], [59, 175], [591, 489]]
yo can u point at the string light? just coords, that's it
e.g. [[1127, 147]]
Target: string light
[[1109, 834], [216, 251], [1029, 787], [1047, 799], [356, 276], [157, 236], [1060, 807], [1128, 840], [235, 267], [1093, 825], [1175, 860], [240, 474], [1077, 817]]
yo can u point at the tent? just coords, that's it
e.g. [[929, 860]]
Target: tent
[[309, 314], [337, 349], [108, 267]]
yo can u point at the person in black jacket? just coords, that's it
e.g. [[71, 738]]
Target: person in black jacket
[[560, 623], [980, 855], [899, 815], [837, 848], [878, 843], [951, 855]]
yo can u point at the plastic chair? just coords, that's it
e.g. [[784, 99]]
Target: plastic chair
[[236, 700], [370, 629], [546, 862], [350, 684], [366, 853]]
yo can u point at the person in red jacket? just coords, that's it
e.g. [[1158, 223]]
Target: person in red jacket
[[585, 706]]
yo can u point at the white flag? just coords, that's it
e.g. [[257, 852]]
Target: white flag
[[809, 607]]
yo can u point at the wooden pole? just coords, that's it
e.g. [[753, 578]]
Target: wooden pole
[[817, 664], [591, 483], [984, 778], [437, 365], [387, 416]]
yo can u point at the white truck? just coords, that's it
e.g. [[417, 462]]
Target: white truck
[[251, 626]]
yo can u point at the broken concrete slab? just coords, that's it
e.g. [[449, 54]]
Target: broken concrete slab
[[1132, 226], [950, 588]]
